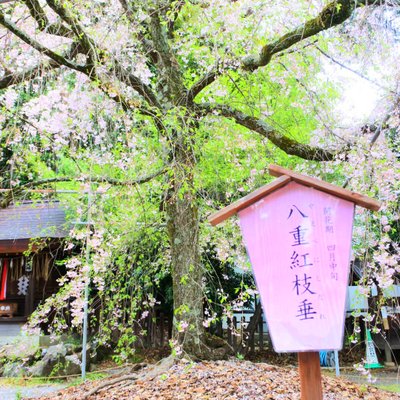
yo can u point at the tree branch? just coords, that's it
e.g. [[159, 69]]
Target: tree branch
[[94, 51], [58, 58], [289, 146], [166, 59], [201, 84], [14, 78], [95, 179], [88, 44], [253, 62], [377, 84], [135, 83], [147, 44], [10, 195], [39, 15], [177, 7], [335, 13], [127, 104], [122, 74]]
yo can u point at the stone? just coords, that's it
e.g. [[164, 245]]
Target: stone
[[59, 350], [54, 356], [14, 370], [57, 366], [92, 354], [47, 340], [40, 369], [389, 364], [70, 348], [57, 362], [21, 350], [72, 365], [93, 367]]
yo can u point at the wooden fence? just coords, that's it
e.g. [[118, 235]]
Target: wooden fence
[[244, 332], [241, 338], [154, 331]]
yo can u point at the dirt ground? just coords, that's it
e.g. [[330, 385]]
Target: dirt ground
[[225, 380]]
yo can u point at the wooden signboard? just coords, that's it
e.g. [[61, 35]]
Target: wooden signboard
[[297, 232]]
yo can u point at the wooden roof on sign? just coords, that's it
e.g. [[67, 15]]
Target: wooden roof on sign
[[286, 176]]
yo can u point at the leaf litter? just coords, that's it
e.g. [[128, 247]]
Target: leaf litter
[[220, 380]]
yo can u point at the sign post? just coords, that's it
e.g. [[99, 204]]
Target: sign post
[[297, 232], [310, 375]]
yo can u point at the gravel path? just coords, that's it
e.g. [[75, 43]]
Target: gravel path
[[13, 393]]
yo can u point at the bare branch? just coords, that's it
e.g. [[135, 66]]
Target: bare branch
[[11, 79], [37, 13], [129, 8], [210, 77], [335, 13], [15, 78], [135, 83], [288, 145], [61, 10], [16, 190]]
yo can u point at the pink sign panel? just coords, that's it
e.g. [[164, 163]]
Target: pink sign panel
[[299, 241]]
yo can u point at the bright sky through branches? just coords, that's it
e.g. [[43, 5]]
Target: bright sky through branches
[[359, 100]]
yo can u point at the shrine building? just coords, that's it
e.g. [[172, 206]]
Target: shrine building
[[31, 236]]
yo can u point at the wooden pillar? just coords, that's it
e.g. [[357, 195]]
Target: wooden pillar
[[310, 376], [252, 335], [229, 336], [162, 321], [234, 337], [261, 333], [388, 356]]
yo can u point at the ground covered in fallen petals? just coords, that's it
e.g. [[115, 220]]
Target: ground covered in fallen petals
[[228, 380]]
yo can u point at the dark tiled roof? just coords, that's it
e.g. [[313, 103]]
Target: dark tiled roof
[[32, 220]]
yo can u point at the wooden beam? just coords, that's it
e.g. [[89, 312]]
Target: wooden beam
[[29, 295], [14, 246], [310, 376], [248, 200], [326, 187]]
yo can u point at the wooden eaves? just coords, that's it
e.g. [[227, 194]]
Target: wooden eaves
[[286, 176]]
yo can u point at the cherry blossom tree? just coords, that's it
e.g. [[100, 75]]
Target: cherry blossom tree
[[162, 93]]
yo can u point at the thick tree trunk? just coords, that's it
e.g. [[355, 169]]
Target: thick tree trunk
[[183, 232], [186, 268], [187, 273]]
